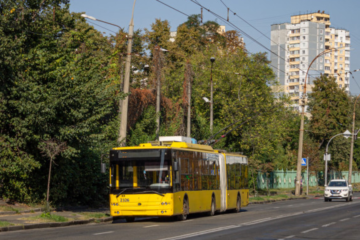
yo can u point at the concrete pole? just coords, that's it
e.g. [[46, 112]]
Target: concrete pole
[[352, 142], [125, 103], [158, 92], [211, 97], [189, 100]]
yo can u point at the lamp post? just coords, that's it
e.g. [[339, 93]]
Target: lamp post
[[125, 102], [212, 60], [346, 134], [352, 142], [301, 135]]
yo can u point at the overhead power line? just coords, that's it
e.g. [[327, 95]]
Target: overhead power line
[[258, 31], [173, 8]]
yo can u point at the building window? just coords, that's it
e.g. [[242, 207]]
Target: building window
[[321, 46], [341, 51], [321, 67], [340, 58], [340, 44], [321, 31], [303, 30], [341, 39], [321, 38], [321, 60], [303, 51], [304, 37], [303, 58], [303, 44], [340, 86], [336, 44]]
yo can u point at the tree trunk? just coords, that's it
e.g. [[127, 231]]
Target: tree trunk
[[48, 188]]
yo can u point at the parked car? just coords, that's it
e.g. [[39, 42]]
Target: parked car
[[338, 189]]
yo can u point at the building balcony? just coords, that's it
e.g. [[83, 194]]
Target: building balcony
[[294, 34], [327, 44], [294, 41]]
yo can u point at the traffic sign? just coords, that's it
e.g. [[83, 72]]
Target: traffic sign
[[303, 162], [328, 157]]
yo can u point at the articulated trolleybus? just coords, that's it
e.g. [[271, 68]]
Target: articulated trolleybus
[[175, 177]]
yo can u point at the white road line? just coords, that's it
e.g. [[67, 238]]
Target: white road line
[[151, 226], [253, 222], [187, 221], [276, 207], [306, 231], [103, 233], [326, 225], [356, 216], [200, 233], [344, 219], [290, 205]]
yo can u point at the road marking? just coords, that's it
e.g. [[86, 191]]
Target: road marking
[[200, 233], [276, 207], [326, 225], [291, 236], [290, 205], [151, 226], [344, 219], [187, 221], [306, 231], [103, 233], [356, 216], [254, 222]]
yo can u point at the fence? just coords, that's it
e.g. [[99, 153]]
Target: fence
[[286, 179]]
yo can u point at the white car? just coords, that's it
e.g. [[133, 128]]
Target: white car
[[338, 189]]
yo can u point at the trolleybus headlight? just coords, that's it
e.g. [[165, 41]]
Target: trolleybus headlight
[[165, 203], [162, 203]]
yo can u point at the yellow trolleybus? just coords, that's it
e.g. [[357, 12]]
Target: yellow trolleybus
[[176, 178]]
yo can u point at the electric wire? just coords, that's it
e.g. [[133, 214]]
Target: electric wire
[[257, 30], [173, 8]]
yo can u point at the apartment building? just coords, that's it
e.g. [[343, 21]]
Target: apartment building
[[294, 45]]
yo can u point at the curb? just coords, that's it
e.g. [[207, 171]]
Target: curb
[[54, 224], [271, 201]]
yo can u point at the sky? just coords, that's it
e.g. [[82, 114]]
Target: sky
[[261, 14]]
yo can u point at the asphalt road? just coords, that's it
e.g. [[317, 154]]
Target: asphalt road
[[295, 219]]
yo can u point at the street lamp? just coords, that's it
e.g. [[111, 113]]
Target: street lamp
[[124, 104], [212, 60], [301, 135], [346, 134], [352, 142]]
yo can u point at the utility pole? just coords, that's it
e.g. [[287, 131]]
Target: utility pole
[[188, 79], [158, 66], [212, 60], [125, 103], [352, 142]]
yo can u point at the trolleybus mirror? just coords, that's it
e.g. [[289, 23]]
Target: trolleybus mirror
[[103, 168]]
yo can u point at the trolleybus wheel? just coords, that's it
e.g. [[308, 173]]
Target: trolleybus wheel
[[185, 213], [130, 219], [212, 208]]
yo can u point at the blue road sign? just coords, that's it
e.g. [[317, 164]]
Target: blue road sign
[[303, 162]]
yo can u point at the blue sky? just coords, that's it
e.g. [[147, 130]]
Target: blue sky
[[260, 13]]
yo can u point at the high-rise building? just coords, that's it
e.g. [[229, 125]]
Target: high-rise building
[[294, 46]]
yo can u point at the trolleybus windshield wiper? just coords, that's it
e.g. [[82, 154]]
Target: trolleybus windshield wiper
[[122, 192], [152, 191]]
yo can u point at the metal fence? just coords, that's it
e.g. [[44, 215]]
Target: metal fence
[[286, 178]]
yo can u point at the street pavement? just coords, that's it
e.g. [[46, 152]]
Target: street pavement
[[295, 219]]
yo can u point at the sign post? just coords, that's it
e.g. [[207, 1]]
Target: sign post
[[304, 162]]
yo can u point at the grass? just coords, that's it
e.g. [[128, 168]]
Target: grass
[[89, 215], [5, 224], [47, 217], [8, 209]]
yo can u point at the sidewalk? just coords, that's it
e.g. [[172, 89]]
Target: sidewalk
[[18, 217]]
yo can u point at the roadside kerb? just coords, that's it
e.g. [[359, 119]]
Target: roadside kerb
[[279, 200], [54, 224]]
